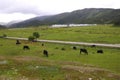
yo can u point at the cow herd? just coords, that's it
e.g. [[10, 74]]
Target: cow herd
[[83, 50], [45, 52]]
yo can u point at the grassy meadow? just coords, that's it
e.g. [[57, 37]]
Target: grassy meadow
[[68, 64], [97, 34]]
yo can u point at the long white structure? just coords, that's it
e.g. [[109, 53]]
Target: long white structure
[[72, 25]]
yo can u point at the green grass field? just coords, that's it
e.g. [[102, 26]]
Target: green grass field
[[97, 34], [68, 64]]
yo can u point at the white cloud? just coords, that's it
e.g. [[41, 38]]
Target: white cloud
[[53, 6], [45, 7], [15, 16]]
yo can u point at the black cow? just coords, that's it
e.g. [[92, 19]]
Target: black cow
[[25, 47], [100, 51], [17, 42], [93, 46], [45, 52], [84, 51], [74, 48]]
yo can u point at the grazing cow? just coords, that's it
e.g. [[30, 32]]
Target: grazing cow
[[74, 48], [45, 52], [34, 40], [25, 47], [17, 42], [100, 51], [83, 50], [93, 46]]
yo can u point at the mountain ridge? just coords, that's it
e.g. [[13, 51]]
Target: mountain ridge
[[84, 16]]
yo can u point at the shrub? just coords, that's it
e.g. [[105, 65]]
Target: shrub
[[31, 38]]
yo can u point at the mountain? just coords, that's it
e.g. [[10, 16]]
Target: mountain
[[30, 22], [3, 23], [13, 22], [84, 16], [2, 26]]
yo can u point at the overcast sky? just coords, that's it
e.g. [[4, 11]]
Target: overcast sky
[[24, 9]]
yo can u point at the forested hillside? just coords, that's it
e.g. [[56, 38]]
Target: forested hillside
[[84, 16]]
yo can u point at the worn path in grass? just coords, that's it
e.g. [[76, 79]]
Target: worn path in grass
[[70, 42]]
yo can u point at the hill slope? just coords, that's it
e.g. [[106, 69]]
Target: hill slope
[[2, 26], [84, 16]]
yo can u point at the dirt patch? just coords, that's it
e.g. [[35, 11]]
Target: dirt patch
[[92, 71], [82, 69]]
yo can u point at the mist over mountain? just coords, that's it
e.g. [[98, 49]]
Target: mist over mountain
[[13, 22], [2, 26], [3, 23], [84, 16]]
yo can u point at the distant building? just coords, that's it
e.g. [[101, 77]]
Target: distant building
[[72, 25]]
